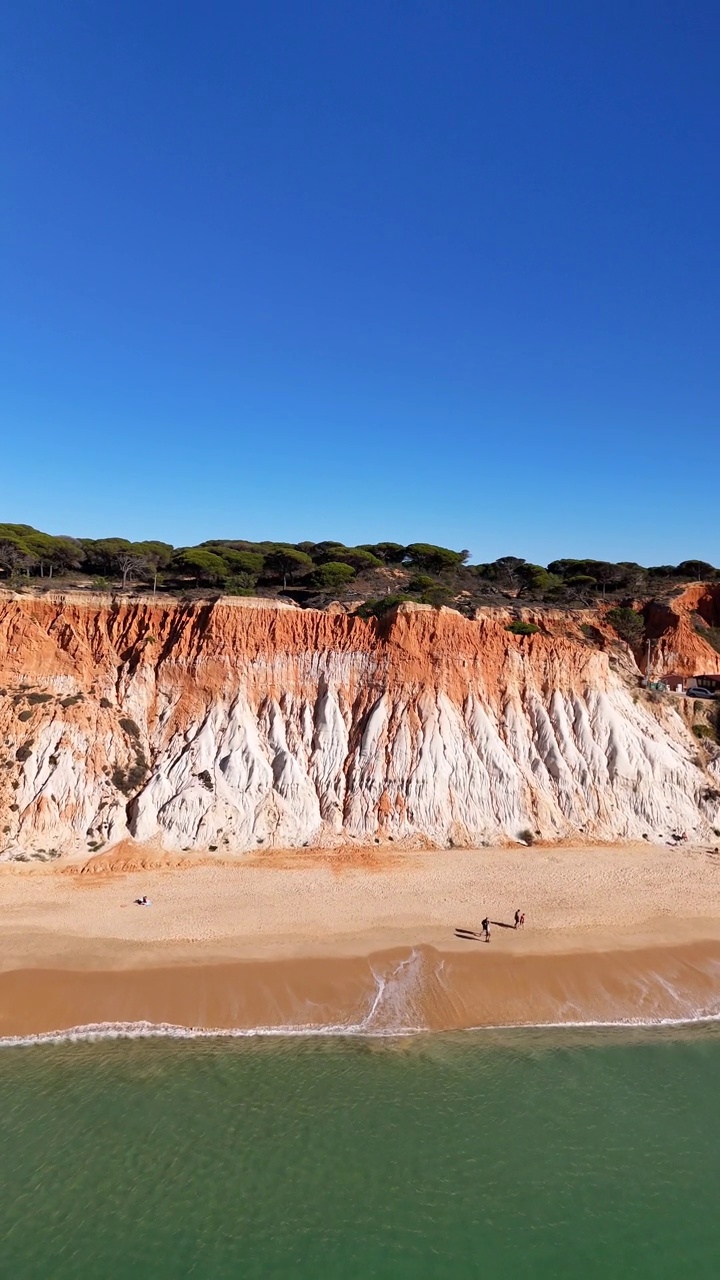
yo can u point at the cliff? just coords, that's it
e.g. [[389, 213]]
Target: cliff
[[233, 727], [679, 629]]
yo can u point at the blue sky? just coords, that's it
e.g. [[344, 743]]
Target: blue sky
[[439, 270]]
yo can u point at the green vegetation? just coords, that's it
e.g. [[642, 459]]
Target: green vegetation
[[628, 624], [330, 576], [522, 628], [241, 584], [590, 632], [375, 575], [386, 552], [424, 556], [287, 562], [438, 596], [375, 608], [358, 558], [708, 633]]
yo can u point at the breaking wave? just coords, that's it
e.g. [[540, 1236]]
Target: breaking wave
[[394, 1010], [412, 996]]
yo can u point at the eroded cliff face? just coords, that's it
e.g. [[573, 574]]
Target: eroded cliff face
[[233, 727], [678, 631]]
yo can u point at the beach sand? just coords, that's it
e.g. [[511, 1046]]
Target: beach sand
[[362, 939]]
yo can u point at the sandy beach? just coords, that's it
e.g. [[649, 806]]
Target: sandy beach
[[364, 939]]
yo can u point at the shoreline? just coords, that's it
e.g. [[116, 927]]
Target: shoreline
[[393, 993], [622, 934]]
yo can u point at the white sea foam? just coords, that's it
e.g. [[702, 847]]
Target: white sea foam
[[394, 996], [396, 1003], [394, 1010], [100, 1031]]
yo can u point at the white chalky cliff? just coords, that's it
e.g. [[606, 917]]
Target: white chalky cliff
[[243, 725]]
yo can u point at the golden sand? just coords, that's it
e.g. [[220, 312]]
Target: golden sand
[[365, 941]]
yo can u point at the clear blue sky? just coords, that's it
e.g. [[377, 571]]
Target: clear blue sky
[[444, 270]]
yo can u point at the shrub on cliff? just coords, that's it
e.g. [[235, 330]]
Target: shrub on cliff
[[706, 632], [431, 591], [327, 577], [241, 584], [375, 608], [422, 582], [522, 628], [438, 596], [628, 624]]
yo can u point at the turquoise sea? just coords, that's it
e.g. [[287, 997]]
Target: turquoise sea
[[518, 1154]]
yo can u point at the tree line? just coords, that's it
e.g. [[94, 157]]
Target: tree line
[[28, 552], [424, 571]]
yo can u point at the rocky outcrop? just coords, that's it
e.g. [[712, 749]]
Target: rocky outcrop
[[679, 631], [234, 727]]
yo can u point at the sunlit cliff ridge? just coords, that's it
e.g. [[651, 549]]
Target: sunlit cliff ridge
[[240, 725]]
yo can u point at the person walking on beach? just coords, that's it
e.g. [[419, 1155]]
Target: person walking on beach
[[517, 918], [522, 920], [486, 929]]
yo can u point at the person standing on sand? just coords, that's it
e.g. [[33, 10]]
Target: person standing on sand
[[517, 918], [522, 920], [486, 929]]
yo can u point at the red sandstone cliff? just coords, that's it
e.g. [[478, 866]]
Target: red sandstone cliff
[[679, 629], [230, 726]]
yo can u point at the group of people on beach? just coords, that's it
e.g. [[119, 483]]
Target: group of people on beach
[[519, 923]]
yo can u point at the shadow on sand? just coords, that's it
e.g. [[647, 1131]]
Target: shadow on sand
[[472, 935]]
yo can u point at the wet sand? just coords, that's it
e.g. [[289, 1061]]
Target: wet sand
[[388, 993], [364, 941]]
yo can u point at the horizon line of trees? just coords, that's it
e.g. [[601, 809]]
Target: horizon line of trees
[[240, 566]]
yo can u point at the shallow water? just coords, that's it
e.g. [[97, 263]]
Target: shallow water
[[523, 1154]]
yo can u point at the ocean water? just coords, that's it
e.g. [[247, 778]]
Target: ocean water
[[515, 1154]]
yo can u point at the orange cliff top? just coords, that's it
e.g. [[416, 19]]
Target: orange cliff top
[[82, 637], [45, 637]]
